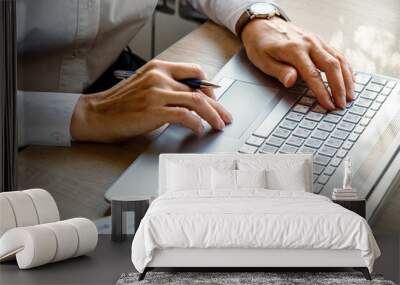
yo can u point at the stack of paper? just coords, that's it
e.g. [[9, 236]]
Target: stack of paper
[[344, 194]]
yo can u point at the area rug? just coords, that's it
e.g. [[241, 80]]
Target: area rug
[[244, 278]]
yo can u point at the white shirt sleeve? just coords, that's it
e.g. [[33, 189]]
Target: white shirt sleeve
[[44, 118], [224, 12]]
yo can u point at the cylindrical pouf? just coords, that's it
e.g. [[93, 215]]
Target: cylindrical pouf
[[37, 245], [87, 234], [7, 218], [67, 239], [23, 208], [45, 205], [34, 245]]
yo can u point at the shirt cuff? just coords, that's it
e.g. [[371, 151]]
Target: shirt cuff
[[44, 118]]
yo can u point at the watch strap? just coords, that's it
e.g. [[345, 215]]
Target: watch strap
[[246, 17]]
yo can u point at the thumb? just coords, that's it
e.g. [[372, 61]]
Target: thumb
[[286, 74]]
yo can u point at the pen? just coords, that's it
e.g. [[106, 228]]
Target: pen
[[191, 82]]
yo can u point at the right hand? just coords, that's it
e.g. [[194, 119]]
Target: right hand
[[144, 102]]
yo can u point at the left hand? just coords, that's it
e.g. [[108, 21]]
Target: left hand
[[284, 51]]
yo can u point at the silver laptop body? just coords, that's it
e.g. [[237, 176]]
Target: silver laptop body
[[271, 119]]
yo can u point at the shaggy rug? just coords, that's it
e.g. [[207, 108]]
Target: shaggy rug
[[244, 278]]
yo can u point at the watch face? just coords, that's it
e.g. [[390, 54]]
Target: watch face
[[262, 9]]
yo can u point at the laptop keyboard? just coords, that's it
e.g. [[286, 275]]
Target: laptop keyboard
[[308, 128]]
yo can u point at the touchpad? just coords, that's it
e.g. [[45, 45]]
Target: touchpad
[[245, 101]]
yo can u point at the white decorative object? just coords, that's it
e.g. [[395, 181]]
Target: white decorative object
[[31, 233], [347, 192], [347, 174]]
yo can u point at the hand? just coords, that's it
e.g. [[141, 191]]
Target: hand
[[282, 50], [147, 100]]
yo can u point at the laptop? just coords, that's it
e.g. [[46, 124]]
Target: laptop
[[269, 118]]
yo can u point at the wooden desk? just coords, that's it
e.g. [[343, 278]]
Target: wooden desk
[[368, 32]]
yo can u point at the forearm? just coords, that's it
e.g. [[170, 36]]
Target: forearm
[[44, 118]]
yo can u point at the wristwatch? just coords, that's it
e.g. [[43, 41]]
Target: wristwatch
[[258, 11]]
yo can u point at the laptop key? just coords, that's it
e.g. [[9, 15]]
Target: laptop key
[[328, 151], [332, 118], [326, 126], [318, 169], [302, 133], [323, 179], [346, 126], [353, 137], [364, 122], [281, 133], [246, 148], [295, 141], [359, 129], [347, 145], [322, 160], [375, 106], [339, 112], [314, 143], [352, 118], [318, 188], [349, 104], [380, 99], [341, 153], [336, 143], [256, 141], [379, 80], [274, 141], [386, 91], [294, 116], [268, 149], [306, 150], [287, 124], [329, 170], [301, 108], [335, 162], [357, 110], [362, 102], [371, 95], [288, 149], [307, 124], [339, 134], [374, 87], [370, 114], [358, 87], [319, 134], [318, 109], [362, 78], [313, 116], [307, 101]]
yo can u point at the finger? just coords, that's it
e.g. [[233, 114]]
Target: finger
[[225, 114], [331, 66], [182, 70], [285, 73], [348, 75], [180, 115], [312, 77], [197, 102]]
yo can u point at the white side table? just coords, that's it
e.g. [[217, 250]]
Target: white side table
[[119, 205]]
